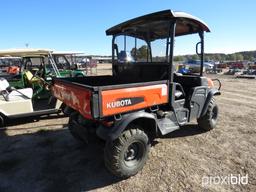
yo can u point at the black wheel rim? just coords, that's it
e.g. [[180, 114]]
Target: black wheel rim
[[133, 154]]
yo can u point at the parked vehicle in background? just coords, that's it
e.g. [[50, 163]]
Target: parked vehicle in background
[[82, 64], [195, 65], [249, 74], [67, 64], [27, 102], [36, 61], [183, 69], [144, 98], [233, 71], [56, 64], [252, 66], [10, 66], [28, 92], [235, 65]]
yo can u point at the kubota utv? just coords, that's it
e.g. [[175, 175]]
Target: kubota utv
[[145, 97]]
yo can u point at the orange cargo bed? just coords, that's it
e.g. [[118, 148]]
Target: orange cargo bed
[[102, 96]]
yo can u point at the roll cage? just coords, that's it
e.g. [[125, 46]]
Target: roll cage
[[165, 24]]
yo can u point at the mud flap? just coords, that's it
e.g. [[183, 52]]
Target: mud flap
[[78, 130]]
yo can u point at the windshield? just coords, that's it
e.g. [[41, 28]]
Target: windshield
[[128, 49], [39, 65], [62, 62]]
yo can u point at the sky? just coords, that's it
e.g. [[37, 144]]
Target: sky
[[79, 25]]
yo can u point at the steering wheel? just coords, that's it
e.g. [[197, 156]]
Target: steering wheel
[[40, 71]]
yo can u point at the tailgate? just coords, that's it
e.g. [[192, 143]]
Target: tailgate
[[74, 96], [116, 101]]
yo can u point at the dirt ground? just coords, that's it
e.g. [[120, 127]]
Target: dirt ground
[[43, 156]]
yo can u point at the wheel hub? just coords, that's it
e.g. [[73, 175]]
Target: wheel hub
[[131, 153]]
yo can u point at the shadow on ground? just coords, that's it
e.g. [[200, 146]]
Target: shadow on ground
[[53, 161], [185, 131], [26, 120]]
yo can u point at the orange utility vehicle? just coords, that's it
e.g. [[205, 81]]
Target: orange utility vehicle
[[144, 98]]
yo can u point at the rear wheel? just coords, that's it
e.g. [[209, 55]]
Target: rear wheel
[[127, 155], [209, 120]]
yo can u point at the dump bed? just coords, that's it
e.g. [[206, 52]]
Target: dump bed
[[101, 96]]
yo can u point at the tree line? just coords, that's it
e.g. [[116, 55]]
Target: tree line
[[141, 53], [239, 56]]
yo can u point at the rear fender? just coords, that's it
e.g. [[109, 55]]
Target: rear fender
[[111, 133], [209, 97]]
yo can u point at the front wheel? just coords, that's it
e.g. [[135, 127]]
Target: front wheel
[[209, 120], [127, 155]]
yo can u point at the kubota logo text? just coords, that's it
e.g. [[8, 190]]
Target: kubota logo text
[[120, 103]]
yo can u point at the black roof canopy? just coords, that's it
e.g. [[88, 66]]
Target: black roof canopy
[[156, 25]]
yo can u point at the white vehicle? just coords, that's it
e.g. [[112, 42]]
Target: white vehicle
[[16, 103], [32, 95]]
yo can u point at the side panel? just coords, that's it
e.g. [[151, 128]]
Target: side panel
[[75, 97], [197, 101], [128, 99]]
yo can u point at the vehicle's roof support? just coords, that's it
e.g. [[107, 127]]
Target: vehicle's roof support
[[171, 46], [201, 34], [113, 49], [135, 51], [125, 43]]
